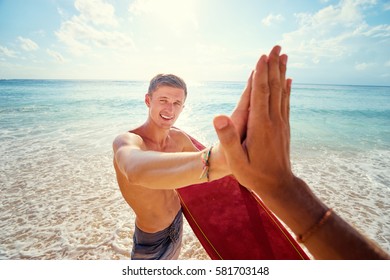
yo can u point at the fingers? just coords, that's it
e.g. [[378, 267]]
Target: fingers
[[284, 87], [282, 69], [230, 141], [241, 112], [243, 104], [266, 87], [274, 81], [287, 103], [286, 112], [259, 100]]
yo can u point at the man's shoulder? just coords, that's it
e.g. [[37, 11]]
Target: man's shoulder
[[178, 133], [127, 138], [128, 135], [183, 138]]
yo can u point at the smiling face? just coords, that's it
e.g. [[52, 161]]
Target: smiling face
[[165, 105]]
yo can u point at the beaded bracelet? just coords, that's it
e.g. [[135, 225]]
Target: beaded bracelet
[[301, 238], [206, 165]]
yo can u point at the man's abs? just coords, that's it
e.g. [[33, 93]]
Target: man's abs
[[154, 209], [156, 219]]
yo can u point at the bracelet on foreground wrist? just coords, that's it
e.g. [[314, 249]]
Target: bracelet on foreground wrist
[[301, 238]]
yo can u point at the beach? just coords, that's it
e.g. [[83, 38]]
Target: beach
[[59, 196]]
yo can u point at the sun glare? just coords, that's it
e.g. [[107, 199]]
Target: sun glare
[[179, 15]]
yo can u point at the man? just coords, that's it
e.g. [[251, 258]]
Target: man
[[151, 161]]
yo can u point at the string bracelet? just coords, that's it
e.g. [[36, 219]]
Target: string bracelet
[[301, 238], [206, 164]]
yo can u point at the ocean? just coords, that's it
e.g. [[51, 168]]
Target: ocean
[[59, 196]]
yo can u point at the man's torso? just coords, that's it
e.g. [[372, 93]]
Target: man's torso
[[155, 209]]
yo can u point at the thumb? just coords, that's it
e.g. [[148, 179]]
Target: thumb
[[230, 141]]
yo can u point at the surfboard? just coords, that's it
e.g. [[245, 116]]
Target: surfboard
[[232, 223]]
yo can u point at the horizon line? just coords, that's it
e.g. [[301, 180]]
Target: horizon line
[[188, 82]]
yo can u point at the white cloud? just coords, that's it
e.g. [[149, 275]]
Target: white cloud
[[387, 64], [4, 51], [272, 19], [361, 66], [386, 6], [93, 28], [177, 15], [56, 55], [379, 31], [331, 18], [332, 32], [28, 44], [97, 12]]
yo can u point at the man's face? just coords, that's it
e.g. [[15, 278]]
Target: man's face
[[165, 105]]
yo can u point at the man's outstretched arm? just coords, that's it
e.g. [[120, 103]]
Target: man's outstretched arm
[[160, 170]]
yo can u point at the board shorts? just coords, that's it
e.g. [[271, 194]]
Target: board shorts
[[161, 245]]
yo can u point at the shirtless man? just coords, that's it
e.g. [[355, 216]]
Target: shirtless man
[[153, 160]]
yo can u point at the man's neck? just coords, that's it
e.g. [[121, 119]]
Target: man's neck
[[155, 135]]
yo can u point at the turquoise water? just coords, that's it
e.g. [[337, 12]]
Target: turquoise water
[[59, 198]]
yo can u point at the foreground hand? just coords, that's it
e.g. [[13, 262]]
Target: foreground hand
[[262, 161]]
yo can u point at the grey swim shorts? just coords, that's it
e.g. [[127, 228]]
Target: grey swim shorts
[[162, 245]]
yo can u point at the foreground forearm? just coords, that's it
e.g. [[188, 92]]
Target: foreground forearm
[[337, 239], [302, 211]]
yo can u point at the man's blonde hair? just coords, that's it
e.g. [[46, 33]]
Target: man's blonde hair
[[167, 80]]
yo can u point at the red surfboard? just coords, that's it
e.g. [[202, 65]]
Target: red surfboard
[[232, 223]]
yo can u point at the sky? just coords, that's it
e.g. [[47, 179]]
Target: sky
[[328, 42]]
